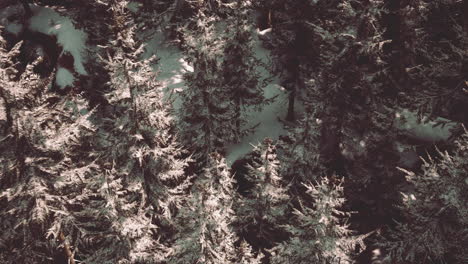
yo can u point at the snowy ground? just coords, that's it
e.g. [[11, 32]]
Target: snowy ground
[[72, 40], [268, 118], [49, 22], [9, 20], [172, 66]]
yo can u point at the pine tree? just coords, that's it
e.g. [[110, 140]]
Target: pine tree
[[265, 209], [206, 116], [140, 180], [44, 136], [290, 47], [435, 226], [239, 67], [205, 223], [439, 66], [319, 234]]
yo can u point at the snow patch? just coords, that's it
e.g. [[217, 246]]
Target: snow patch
[[171, 66], [47, 21], [268, 117], [436, 130], [9, 19], [64, 77], [264, 32], [134, 6], [14, 28]]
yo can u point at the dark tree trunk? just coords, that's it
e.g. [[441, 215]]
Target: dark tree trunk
[[399, 50], [392, 22], [64, 255], [27, 8], [291, 65], [292, 98], [465, 15], [238, 116]]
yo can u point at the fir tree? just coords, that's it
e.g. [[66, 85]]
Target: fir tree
[[265, 209], [206, 234], [38, 145], [435, 226], [437, 45], [319, 234], [240, 74], [206, 116], [140, 182]]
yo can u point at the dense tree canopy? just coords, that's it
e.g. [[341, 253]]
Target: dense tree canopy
[[119, 121]]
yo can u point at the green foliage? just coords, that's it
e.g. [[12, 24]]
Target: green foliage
[[435, 226], [207, 113], [319, 234], [266, 207], [206, 234]]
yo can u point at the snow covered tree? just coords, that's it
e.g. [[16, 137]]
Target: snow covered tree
[[205, 231], [206, 116], [240, 74], [140, 182], [38, 143], [435, 224], [266, 207], [319, 233]]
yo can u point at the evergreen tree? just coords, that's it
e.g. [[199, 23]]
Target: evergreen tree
[[240, 74], [265, 209], [438, 65], [435, 226], [206, 116], [290, 43], [145, 166], [206, 234], [319, 234], [44, 137]]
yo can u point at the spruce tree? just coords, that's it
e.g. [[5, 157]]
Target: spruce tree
[[239, 67], [205, 231], [319, 233], [206, 116], [266, 207], [44, 136], [435, 224], [140, 182]]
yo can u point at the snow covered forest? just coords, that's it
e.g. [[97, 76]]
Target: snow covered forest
[[234, 131]]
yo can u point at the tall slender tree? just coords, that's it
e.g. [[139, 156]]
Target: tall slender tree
[[41, 142], [206, 116], [435, 226], [266, 207], [206, 234], [140, 182], [240, 75], [319, 234]]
